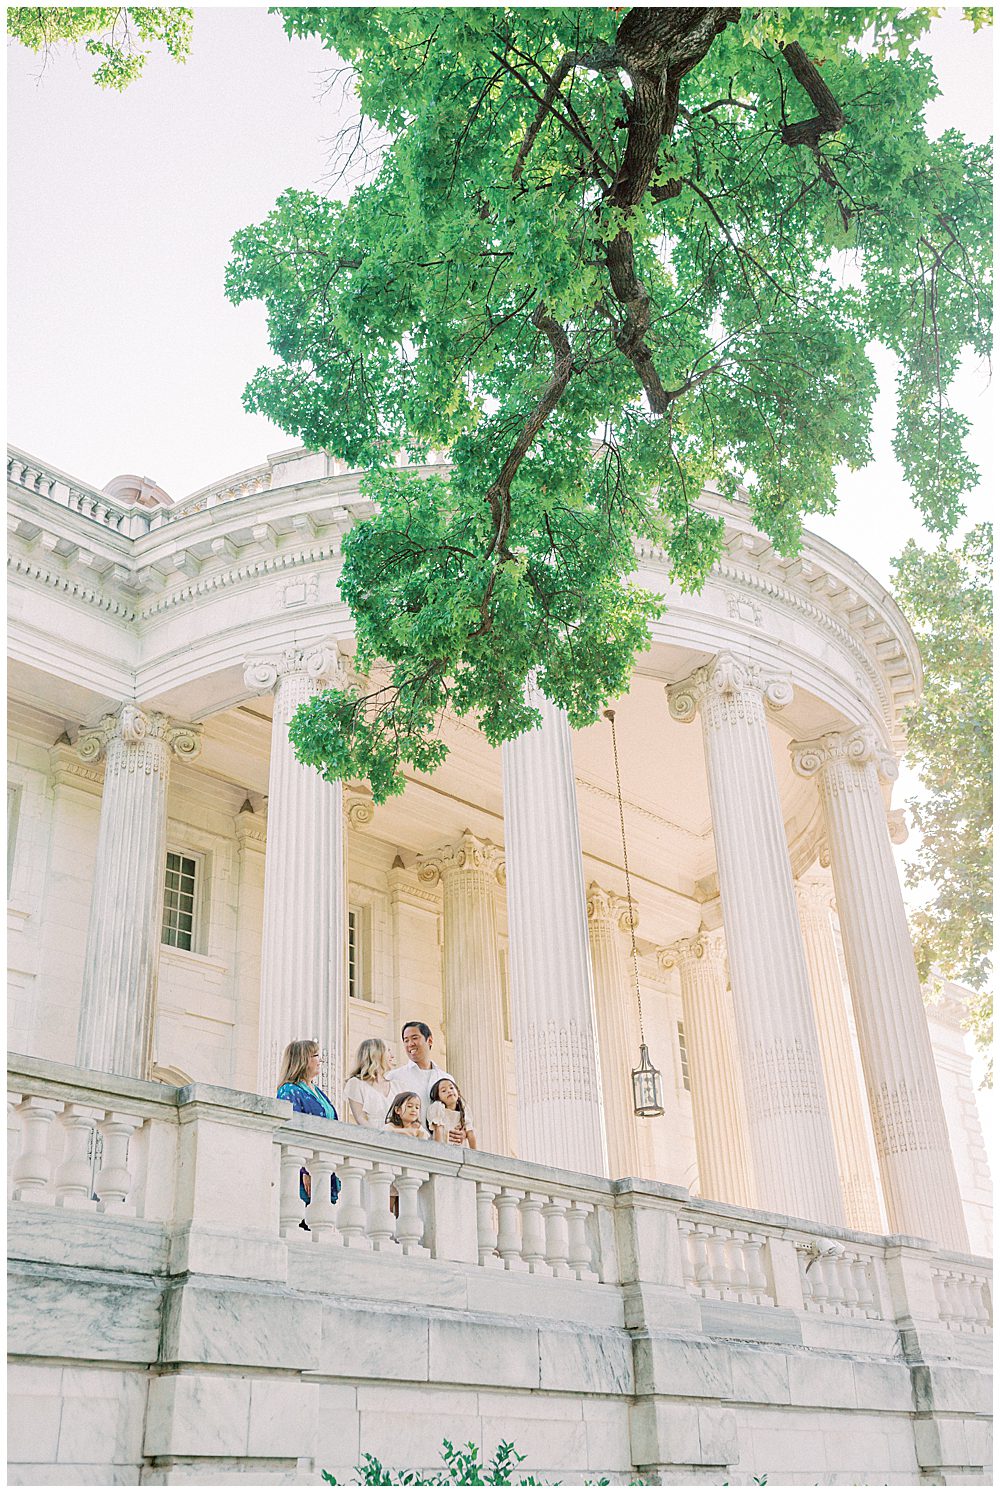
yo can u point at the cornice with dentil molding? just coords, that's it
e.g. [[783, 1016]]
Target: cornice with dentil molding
[[727, 675], [857, 747], [135, 728]]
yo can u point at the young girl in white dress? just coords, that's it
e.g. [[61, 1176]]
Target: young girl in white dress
[[447, 1116], [404, 1116], [368, 1091]]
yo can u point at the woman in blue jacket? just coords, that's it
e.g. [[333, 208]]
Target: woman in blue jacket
[[299, 1070]]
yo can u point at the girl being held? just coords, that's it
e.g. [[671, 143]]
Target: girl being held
[[404, 1115], [447, 1116]]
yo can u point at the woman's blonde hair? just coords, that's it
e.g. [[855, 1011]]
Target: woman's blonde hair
[[296, 1060], [369, 1064]]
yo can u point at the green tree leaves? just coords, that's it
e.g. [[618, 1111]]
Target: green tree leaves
[[946, 593], [606, 258], [112, 32]]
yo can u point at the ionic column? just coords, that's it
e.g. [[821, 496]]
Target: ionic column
[[850, 1134], [303, 960], [718, 1099], [126, 910], [911, 1137], [617, 1028], [552, 993], [791, 1140], [473, 1007]]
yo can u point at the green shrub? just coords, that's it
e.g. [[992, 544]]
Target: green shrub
[[463, 1468]]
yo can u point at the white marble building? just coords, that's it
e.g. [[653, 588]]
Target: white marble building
[[794, 1287]]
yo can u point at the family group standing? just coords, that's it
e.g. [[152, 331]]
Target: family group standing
[[417, 1099]]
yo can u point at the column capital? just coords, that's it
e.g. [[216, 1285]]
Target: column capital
[[607, 907], [899, 831], [359, 805], [708, 944], [319, 662], [725, 679], [134, 727], [469, 853], [815, 897], [856, 747]]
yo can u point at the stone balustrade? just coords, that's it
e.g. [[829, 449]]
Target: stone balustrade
[[92, 1143], [463, 1206], [35, 478], [156, 1248]]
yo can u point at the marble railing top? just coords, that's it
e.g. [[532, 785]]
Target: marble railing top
[[442, 1158], [46, 1079], [163, 1102]]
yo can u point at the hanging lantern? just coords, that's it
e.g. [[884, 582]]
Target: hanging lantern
[[647, 1087], [647, 1083]]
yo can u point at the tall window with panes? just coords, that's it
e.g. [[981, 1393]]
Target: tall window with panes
[[180, 900], [682, 1045], [359, 983]]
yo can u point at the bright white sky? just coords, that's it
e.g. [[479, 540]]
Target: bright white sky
[[125, 355]]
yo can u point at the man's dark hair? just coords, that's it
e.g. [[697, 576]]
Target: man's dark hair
[[422, 1026]]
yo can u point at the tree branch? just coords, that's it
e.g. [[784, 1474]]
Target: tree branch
[[829, 116]]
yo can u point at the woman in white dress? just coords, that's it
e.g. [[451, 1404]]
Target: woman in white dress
[[368, 1091]]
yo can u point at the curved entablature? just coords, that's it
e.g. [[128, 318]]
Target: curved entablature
[[276, 527]]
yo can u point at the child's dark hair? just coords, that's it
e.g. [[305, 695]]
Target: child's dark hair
[[394, 1117], [435, 1095]]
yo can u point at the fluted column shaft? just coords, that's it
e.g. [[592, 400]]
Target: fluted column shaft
[[718, 1099], [617, 1029], [911, 1136], [791, 1140], [552, 994], [847, 1110], [123, 939], [473, 1004], [303, 978]]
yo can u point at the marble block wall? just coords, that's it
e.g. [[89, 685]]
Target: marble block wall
[[132, 1375]]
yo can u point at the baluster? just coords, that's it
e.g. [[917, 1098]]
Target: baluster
[[716, 1240], [848, 1285], [32, 1165], [811, 1288], [290, 1206], [736, 1262], [581, 1260], [985, 1301], [73, 1174], [353, 1220], [486, 1225], [978, 1311], [381, 1224], [533, 1234], [863, 1282], [756, 1272], [557, 1236], [114, 1180], [321, 1211], [963, 1285], [947, 1296], [687, 1253], [13, 1138], [410, 1226], [508, 1228], [700, 1270], [826, 1268]]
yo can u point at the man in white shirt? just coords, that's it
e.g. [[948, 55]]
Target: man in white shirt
[[421, 1073]]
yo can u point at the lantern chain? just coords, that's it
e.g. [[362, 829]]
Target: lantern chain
[[610, 715]]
